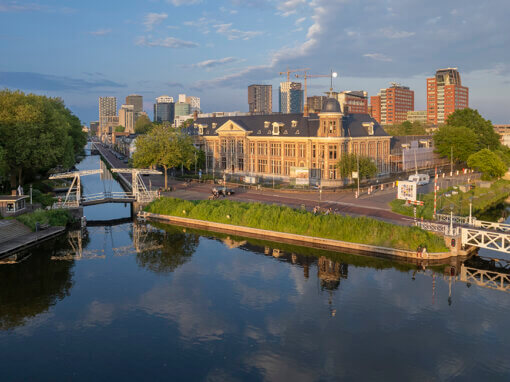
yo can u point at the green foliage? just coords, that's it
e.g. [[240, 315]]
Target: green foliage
[[44, 199], [164, 146], [284, 219], [52, 217], [406, 128], [349, 163], [471, 119], [462, 140], [488, 163], [143, 125], [482, 199], [186, 123], [119, 129], [38, 133]]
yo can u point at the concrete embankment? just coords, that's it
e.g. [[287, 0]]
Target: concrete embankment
[[316, 242]]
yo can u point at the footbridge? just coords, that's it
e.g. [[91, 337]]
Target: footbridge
[[471, 232], [75, 197]]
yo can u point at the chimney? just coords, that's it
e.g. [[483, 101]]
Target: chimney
[[305, 110], [14, 192], [195, 115]]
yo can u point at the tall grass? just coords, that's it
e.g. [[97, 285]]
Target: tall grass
[[51, 217], [483, 199], [284, 219]]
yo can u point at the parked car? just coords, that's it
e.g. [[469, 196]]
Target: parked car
[[420, 179]]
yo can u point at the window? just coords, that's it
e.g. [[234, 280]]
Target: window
[[240, 147], [223, 145], [223, 163], [332, 152], [321, 151], [252, 148], [276, 128], [240, 164], [276, 149], [290, 150], [262, 165], [302, 150], [262, 148], [276, 166], [314, 152], [332, 171], [286, 167]]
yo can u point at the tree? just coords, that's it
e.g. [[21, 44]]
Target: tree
[[406, 128], [349, 163], [462, 140], [486, 136], [186, 123], [38, 133], [119, 129], [488, 163], [143, 124], [164, 146]]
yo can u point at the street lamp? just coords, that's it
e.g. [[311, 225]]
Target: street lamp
[[451, 219], [471, 210]]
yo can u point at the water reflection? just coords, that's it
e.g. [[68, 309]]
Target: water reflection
[[33, 286]]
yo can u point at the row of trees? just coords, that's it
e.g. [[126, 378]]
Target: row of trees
[[37, 133], [167, 147], [469, 138], [406, 128]]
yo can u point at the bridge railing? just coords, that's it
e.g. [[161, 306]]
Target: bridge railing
[[498, 241], [439, 228], [492, 226], [445, 218], [106, 195]]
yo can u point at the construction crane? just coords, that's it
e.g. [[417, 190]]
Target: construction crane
[[288, 71], [306, 76]]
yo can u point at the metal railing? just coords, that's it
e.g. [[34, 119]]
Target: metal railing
[[445, 218], [439, 228]]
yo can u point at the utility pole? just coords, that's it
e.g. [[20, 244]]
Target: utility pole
[[357, 160], [451, 160]]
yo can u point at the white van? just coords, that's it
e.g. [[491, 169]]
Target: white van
[[420, 179]]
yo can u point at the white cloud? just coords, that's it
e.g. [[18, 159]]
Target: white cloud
[[178, 3], [390, 32], [289, 7], [378, 57], [300, 20], [213, 63], [234, 34], [152, 19], [100, 32], [168, 42]]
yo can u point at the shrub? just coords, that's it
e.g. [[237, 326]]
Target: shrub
[[51, 217]]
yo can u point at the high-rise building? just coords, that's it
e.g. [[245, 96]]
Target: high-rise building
[[315, 103], [290, 97], [260, 99], [417, 116], [107, 110], [182, 108], [137, 102], [445, 94], [127, 118], [392, 104], [182, 98], [164, 109], [94, 127], [353, 101], [194, 103]]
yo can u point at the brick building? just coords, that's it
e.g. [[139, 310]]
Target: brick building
[[391, 105], [445, 94]]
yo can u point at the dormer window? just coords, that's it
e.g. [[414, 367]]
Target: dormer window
[[214, 125], [370, 127], [200, 130], [294, 123], [276, 128], [267, 124]]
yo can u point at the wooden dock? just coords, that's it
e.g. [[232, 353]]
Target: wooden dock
[[7, 248]]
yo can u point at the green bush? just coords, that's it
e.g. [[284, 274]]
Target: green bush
[[52, 217], [284, 219], [482, 198], [45, 199]]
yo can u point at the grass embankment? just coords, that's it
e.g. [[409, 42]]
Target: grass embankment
[[483, 199], [51, 217], [284, 219]]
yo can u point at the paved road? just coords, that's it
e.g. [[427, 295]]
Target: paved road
[[375, 205]]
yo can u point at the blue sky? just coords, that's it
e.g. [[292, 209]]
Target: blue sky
[[79, 50]]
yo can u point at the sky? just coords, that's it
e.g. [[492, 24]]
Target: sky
[[80, 50]]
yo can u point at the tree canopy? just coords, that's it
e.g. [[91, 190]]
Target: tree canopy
[[119, 129], [406, 128], [38, 133], [486, 137], [461, 140], [488, 163], [164, 146], [349, 163], [143, 124]]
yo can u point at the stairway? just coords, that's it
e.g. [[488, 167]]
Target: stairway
[[11, 229]]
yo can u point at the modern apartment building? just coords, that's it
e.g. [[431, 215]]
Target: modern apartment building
[[127, 118], [182, 108], [107, 110], [353, 101], [445, 94], [260, 99], [392, 104], [417, 116], [137, 102], [290, 97], [315, 103], [164, 109], [194, 103]]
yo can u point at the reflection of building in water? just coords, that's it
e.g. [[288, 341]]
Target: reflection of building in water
[[330, 272], [231, 243]]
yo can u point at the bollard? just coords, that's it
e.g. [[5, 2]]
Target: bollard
[[457, 172], [382, 187], [443, 174]]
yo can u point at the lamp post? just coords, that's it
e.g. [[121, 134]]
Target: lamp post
[[470, 210], [451, 219]]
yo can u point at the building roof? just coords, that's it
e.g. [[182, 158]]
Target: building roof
[[331, 105], [12, 198], [291, 125]]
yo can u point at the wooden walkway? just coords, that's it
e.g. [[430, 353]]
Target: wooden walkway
[[21, 242]]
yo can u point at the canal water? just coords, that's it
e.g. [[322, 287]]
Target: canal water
[[158, 302]]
